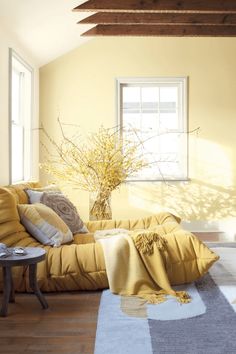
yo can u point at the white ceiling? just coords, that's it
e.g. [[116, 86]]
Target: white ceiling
[[46, 28]]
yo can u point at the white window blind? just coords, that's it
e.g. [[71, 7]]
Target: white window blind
[[156, 109]]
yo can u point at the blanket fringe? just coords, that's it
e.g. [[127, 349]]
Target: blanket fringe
[[154, 298], [183, 297], [144, 242], [161, 296]]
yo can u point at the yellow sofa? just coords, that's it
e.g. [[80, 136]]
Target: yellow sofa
[[77, 266]]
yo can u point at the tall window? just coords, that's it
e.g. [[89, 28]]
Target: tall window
[[157, 110], [20, 118]]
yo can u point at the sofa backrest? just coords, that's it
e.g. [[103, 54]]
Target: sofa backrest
[[18, 191], [9, 217], [11, 230]]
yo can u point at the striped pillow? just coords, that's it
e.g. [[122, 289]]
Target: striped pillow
[[44, 224]]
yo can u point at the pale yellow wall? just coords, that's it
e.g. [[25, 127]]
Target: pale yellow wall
[[80, 86], [7, 40]]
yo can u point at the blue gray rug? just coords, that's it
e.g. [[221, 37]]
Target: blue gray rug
[[206, 325]]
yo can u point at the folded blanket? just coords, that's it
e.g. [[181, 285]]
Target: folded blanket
[[135, 266]]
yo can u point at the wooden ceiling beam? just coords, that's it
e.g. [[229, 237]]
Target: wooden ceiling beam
[[109, 18], [162, 30], [192, 6]]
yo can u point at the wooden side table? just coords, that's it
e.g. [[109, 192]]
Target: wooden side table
[[34, 255]]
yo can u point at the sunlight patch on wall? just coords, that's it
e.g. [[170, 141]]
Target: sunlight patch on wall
[[210, 194], [210, 161]]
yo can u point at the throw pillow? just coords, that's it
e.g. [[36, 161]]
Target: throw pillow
[[35, 194], [44, 224], [66, 210]]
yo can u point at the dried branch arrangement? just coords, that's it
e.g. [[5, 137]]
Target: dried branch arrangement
[[99, 164]]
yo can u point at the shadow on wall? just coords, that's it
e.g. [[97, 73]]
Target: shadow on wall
[[209, 195], [193, 200]]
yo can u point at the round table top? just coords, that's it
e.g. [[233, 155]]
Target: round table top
[[33, 255]]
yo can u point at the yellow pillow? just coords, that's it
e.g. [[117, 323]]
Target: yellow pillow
[[186, 257], [44, 224]]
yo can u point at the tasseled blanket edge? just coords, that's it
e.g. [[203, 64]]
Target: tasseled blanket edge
[[144, 242]]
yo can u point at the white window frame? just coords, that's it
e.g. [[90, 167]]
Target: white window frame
[[25, 116], [183, 84]]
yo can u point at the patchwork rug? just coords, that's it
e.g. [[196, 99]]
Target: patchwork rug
[[207, 325]]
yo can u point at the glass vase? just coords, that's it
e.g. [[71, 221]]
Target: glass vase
[[100, 206]]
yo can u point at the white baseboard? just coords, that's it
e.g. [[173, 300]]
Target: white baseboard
[[228, 227]]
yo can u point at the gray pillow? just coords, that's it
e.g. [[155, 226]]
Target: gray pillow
[[35, 194], [66, 210]]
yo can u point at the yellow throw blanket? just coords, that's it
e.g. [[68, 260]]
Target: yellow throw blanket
[[135, 266]]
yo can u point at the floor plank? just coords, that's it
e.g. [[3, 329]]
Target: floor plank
[[68, 326]]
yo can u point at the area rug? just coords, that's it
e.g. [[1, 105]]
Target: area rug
[[207, 325]]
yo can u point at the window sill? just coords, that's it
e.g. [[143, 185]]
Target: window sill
[[158, 180]]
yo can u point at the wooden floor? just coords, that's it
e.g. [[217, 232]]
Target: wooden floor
[[68, 326]]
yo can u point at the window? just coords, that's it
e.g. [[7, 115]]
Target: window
[[157, 110], [20, 118]]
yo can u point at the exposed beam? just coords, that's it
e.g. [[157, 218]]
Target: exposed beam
[[216, 6], [162, 30], [109, 18]]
